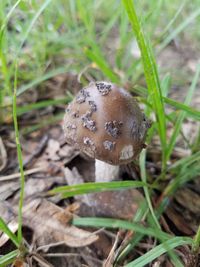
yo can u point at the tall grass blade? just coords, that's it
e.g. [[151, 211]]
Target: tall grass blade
[[102, 64], [35, 18], [182, 115], [19, 151], [171, 22], [7, 18], [151, 73], [180, 28], [20, 160]]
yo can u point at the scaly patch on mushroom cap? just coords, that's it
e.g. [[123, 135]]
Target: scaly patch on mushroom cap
[[105, 122]]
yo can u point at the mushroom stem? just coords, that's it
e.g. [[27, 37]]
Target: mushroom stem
[[105, 172]]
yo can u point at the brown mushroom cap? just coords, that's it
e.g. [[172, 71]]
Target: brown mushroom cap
[[106, 123]]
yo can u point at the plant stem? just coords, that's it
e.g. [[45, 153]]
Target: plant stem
[[19, 155]]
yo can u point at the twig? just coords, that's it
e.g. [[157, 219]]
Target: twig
[[110, 258], [46, 247], [17, 175]]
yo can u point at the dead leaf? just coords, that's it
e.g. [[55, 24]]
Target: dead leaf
[[72, 176], [51, 224], [35, 186], [179, 221], [189, 200], [67, 153], [63, 152], [52, 150], [7, 189]]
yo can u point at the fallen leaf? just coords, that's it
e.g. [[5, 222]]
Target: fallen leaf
[[67, 153], [189, 200], [7, 189], [52, 224], [72, 176], [52, 150], [35, 186]]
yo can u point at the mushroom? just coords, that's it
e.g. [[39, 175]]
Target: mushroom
[[105, 122]]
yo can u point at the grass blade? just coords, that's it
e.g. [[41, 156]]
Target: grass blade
[[140, 214], [196, 244], [38, 13], [185, 162], [8, 258], [19, 151], [43, 123], [7, 231], [144, 179], [102, 64], [41, 79], [42, 104], [113, 223], [182, 115], [195, 114], [159, 250], [79, 189], [8, 17], [180, 28], [171, 22], [20, 159], [151, 73]]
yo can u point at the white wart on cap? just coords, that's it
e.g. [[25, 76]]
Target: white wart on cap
[[105, 122]]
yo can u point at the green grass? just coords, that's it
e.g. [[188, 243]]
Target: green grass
[[151, 75], [159, 250], [69, 191], [113, 223], [9, 258], [6, 230], [40, 40]]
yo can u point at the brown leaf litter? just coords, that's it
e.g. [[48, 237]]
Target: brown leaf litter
[[50, 223]]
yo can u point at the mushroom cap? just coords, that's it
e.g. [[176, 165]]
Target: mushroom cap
[[105, 122]]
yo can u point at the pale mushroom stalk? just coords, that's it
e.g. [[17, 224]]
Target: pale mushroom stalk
[[105, 172]]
